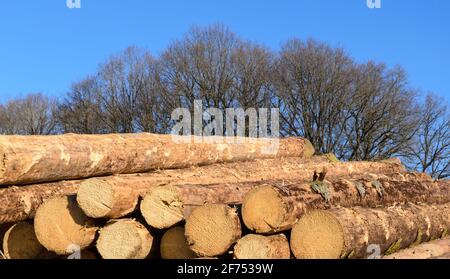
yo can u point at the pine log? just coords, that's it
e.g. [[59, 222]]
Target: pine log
[[20, 242], [32, 159], [174, 245], [124, 239], [254, 246], [62, 227], [271, 209], [20, 203], [428, 250], [212, 229], [357, 232]]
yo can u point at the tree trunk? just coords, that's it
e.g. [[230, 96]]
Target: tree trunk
[[20, 203], [32, 159], [364, 232], [432, 249], [274, 208], [212, 229], [62, 227], [254, 246], [124, 239], [174, 245]]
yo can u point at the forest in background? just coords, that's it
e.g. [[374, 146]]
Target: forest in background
[[358, 111]]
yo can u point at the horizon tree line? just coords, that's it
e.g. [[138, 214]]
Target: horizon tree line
[[358, 111]]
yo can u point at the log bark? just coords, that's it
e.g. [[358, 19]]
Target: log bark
[[275, 208], [359, 232], [433, 249], [62, 227], [174, 245], [32, 159], [124, 239], [254, 246], [20, 203], [212, 229]]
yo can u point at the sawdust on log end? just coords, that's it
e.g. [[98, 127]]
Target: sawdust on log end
[[317, 235], [20, 242], [124, 239], [162, 207], [174, 245], [263, 209], [62, 227], [212, 229], [254, 246]]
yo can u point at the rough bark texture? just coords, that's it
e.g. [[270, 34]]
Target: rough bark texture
[[20, 203], [358, 232], [212, 229], [32, 159], [432, 249], [253, 246], [270, 209]]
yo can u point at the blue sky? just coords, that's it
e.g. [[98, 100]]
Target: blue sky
[[44, 46]]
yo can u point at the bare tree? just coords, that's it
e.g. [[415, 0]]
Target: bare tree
[[31, 115], [313, 82], [383, 114], [80, 111], [430, 151]]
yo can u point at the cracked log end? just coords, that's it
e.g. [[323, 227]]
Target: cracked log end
[[212, 229], [253, 246], [263, 209], [317, 235], [124, 239], [174, 245], [62, 227], [162, 207], [20, 242]]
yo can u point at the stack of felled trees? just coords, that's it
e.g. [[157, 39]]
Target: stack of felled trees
[[140, 196]]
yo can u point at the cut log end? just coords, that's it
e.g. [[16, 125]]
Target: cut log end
[[95, 197], [263, 210], [317, 235], [162, 207], [20, 242], [174, 245], [62, 227], [212, 229], [124, 239], [253, 246]]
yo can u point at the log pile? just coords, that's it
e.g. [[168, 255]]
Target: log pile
[[146, 196]]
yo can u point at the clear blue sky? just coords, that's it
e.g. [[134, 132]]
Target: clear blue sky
[[44, 46]]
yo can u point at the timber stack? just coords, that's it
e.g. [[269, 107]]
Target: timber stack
[[148, 196]]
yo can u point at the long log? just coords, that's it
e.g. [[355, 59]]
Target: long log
[[429, 250], [212, 229], [62, 227], [32, 159], [275, 208], [360, 232], [254, 246], [20, 203]]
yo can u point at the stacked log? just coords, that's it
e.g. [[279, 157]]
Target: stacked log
[[20, 203], [146, 196]]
